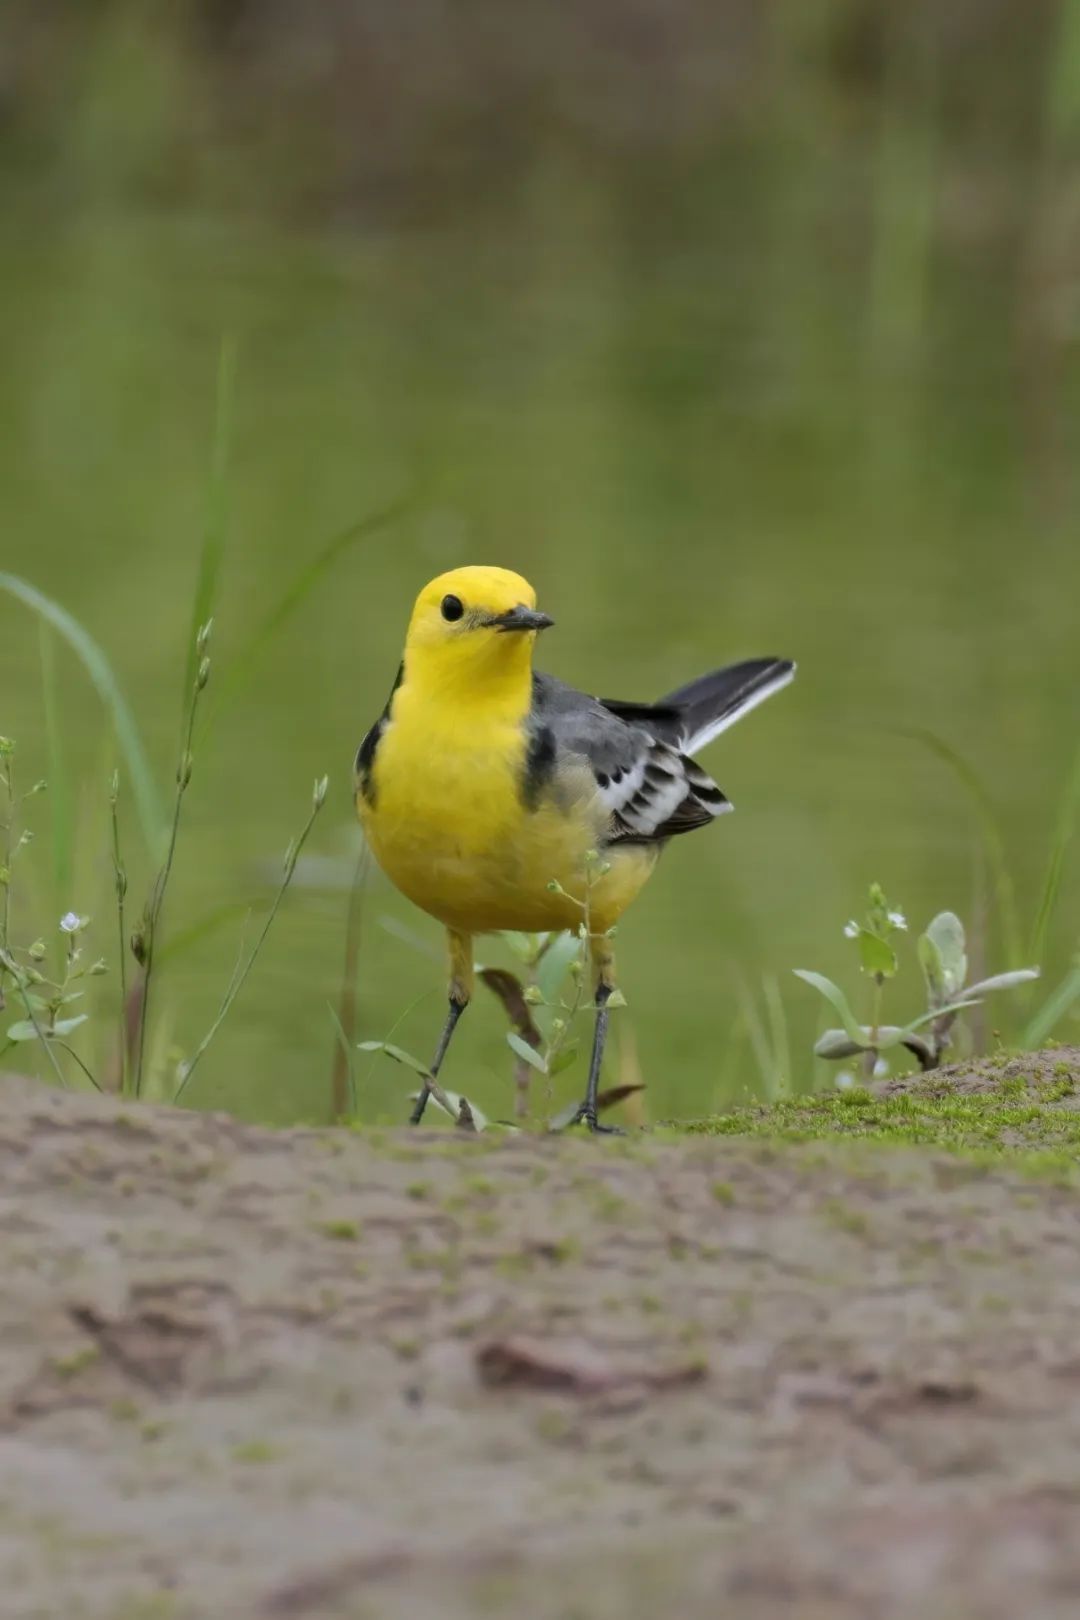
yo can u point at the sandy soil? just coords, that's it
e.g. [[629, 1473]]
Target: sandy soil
[[254, 1373]]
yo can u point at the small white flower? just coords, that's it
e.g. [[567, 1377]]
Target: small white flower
[[70, 923], [897, 919], [851, 930]]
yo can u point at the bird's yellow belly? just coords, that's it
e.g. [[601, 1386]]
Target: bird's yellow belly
[[451, 831]]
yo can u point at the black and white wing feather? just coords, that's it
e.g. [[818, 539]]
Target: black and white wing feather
[[639, 753]]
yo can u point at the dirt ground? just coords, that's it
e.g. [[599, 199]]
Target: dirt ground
[[319, 1374]]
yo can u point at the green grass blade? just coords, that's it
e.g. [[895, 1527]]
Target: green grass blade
[[345, 1047], [1068, 809], [216, 525], [302, 584], [147, 801], [993, 843], [1053, 1010], [60, 801]]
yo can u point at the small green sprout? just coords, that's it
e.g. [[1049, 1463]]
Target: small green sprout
[[942, 955]]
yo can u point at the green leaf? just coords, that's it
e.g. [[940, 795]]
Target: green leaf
[[527, 1053], [950, 1009], [946, 932], [22, 1031], [398, 1054], [522, 945], [480, 1119], [933, 967], [564, 1118], [836, 1044], [64, 1026], [876, 955], [563, 1057], [1003, 981], [554, 963], [834, 996]]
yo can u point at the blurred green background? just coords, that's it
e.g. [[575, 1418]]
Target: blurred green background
[[738, 327]]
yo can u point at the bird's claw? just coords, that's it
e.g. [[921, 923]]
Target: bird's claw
[[584, 1117]]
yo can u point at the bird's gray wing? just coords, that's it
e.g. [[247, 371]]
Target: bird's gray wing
[[650, 789]]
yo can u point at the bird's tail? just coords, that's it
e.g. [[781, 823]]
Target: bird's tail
[[712, 703]]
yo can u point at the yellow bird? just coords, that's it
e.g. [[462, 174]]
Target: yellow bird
[[485, 786]]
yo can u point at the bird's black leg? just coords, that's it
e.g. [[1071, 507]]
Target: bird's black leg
[[604, 964], [587, 1111], [461, 987], [455, 1012]]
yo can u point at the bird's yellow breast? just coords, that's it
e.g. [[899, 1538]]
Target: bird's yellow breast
[[450, 823]]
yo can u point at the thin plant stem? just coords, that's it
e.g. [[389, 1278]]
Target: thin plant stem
[[120, 880], [8, 961], [342, 1074], [242, 970], [157, 897], [349, 1068], [9, 827], [71, 1052], [870, 1056]]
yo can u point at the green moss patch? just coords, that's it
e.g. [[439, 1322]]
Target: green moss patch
[[1022, 1109]]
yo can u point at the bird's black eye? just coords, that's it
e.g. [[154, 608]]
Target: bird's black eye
[[452, 608]]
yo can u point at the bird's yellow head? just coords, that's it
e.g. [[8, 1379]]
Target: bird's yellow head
[[473, 624]]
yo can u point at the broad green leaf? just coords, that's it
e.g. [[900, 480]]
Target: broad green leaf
[[933, 967], [876, 955], [563, 1057], [947, 934], [527, 1053], [22, 1031], [1003, 981], [523, 945], [834, 996], [64, 1026], [836, 1044], [553, 965]]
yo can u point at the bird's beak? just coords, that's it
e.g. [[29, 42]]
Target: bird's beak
[[520, 618]]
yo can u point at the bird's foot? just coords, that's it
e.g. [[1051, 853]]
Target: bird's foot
[[593, 1125]]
